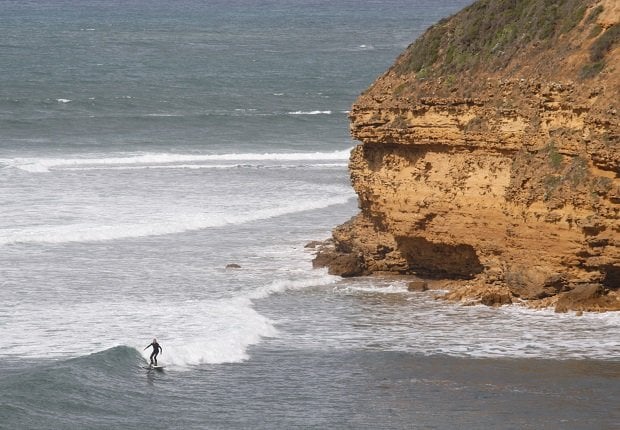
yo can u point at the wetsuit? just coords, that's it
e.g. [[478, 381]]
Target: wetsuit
[[156, 349]]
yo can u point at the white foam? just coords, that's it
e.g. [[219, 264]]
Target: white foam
[[313, 112], [191, 332], [211, 166], [37, 165], [89, 232], [280, 286], [227, 343], [419, 323], [159, 166], [390, 289], [63, 100], [223, 336]]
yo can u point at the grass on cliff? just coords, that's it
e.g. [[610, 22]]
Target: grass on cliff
[[605, 42], [490, 32], [600, 47]]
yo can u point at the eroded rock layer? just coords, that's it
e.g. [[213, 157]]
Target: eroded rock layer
[[494, 171]]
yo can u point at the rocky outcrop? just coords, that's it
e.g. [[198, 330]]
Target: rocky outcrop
[[499, 169], [588, 298]]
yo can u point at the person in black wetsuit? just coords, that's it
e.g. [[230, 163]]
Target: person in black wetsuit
[[156, 349]]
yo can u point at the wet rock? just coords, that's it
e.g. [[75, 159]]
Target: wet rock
[[489, 295], [496, 297], [590, 297], [417, 286], [314, 244], [338, 263], [535, 282]]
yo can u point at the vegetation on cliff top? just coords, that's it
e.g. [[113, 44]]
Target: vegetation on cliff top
[[490, 32]]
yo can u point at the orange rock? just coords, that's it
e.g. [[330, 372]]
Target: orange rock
[[590, 297], [508, 175]]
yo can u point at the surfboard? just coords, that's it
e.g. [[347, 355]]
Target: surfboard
[[160, 368]]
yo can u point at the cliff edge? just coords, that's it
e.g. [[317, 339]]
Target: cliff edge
[[490, 158]]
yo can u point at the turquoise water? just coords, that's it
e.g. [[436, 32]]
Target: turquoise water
[[145, 146]]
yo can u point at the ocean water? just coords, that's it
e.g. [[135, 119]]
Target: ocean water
[[145, 146]]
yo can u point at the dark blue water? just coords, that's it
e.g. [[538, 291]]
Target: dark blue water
[[145, 146]]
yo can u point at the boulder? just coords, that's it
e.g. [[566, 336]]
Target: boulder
[[489, 295], [589, 297], [341, 264], [417, 285], [314, 243], [495, 297], [531, 283]]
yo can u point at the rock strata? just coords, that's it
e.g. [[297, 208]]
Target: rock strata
[[496, 168]]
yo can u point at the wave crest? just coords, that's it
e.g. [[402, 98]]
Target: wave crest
[[178, 224], [38, 165]]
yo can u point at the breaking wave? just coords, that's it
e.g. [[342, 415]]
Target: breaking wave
[[85, 232], [37, 165]]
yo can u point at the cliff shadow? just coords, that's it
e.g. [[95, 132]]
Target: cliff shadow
[[439, 260], [611, 276]]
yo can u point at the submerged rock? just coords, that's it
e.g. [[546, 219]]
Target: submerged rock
[[417, 286]]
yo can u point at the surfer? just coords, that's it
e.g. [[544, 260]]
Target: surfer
[[156, 349]]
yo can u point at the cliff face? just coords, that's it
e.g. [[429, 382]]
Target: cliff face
[[490, 155]]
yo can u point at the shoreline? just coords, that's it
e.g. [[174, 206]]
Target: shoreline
[[590, 297]]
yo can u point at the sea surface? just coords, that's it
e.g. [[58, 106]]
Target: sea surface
[[147, 145]]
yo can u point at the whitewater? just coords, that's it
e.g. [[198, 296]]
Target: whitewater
[[162, 168]]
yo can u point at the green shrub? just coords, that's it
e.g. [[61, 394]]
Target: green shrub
[[596, 30], [400, 89], [423, 73], [602, 186], [551, 183], [577, 171], [555, 158], [604, 43], [489, 32], [591, 70], [450, 80], [595, 12], [573, 19]]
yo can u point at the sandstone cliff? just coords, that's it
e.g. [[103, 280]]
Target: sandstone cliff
[[490, 157]]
